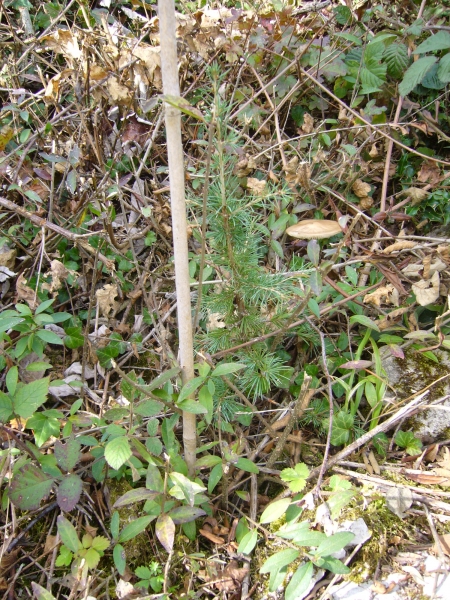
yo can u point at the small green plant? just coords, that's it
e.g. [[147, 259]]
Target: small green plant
[[408, 441], [81, 555], [151, 576]]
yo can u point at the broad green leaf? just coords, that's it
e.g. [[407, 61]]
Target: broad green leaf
[[153, 480], [279, 560], [50, 337], [215, 477], [74, 338], [148, 408], [114, 525], [275, 510], [119, 558], [30, 397], [343, 423], [6, 407], [443, 71], [117, 452], [41, 593], [397, 59], [162, 379], [68, 534], [92, 558], [246, 465], [44, 427], [68, 454], [185, 514], [9, 322], [106, 354], [208, 461], [415, 73], [363, 320], [438, 41], [100, 543], [206, 400], [69, 492], [43, 306], [334, 543], [189, 488], [136, 495], [165, 531], [226, 369], [192, 407], [135, 528], [12, 377], [334, 565], [38, 366], [29, 487], [300, 582], [248, 542], [189, 388]]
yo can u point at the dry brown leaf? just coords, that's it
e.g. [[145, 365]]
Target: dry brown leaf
[[361, 189], [429, 173], [245, 166], [366, 202], [105, 298], [427, 479], [308, 123], [26, 293], [64, 42], [427, 291], [215, 539], [118, 92], [373, 152], [416, 194], [404, 245], [231, 577], [7, 257], [444, 541], [386, 294], [59, 274], [257, 186]]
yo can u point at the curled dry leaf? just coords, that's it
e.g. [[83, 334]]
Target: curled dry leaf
[[118, 92], [257, 186], [215, 539], [308, 123], [59, 274], [404, 245], [386, 294], [427, 291], [26, 293], [366, 202], [429, 173], [361, 189], [7, 257], [416, 194]]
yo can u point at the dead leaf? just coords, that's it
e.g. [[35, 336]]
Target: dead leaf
[[361, 189], [118, 92], [257, 186], [231, 577], [63, 42], [59, 274], [404, 245], [429, 173], [105, 298], [215, 322], [366, 202], [7, 257], [308, 123], [26, 293], [427, 479], [386, 294], [398, 500], [427, 291], [416, 194], [215, 539], [444, 541]]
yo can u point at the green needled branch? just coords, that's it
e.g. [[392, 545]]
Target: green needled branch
[[171, 87]]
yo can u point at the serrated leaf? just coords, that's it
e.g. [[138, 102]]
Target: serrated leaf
[[135, 528], [397, 59], [248, 542], [165, 531], [415, 73], [69, 492], [30, 397], [68, 454], [68, 534], [136, 495], [6, 407], [275, 510], [100, 543], [92, 558], [438, 41], [443, 71], [300, 582], [29, 487], [117, 452]]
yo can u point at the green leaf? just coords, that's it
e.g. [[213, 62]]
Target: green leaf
[[300, 582], [114, 525], [363, 320], [296, 477], [165, 531], [74, 338], [438, 41], [68, 454], [6, 407], [148, 408], [334, 565], [189, 488], [248, 542], [117, 452], [162, 379], [185, 514], [192, 407], [334, 543], [415, 73], [184, 106], [246, 465], [119, 558], [12, 377], [69, 492], [9, 322], [38, 366], [208, 461], [135, 528], [30, 397], [397, 59], [443, 71], [135, 495], [100, 543], [106, 354], [92, 558], [189, 388], [279, 560], [41, 593], [29, 487], [215, 477], [68, 534], [226, 369], [50, 337], [343, 423], [206, 400], [275, 510], [408, 441]]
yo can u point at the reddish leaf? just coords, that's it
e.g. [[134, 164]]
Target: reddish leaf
[[69, 492]]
